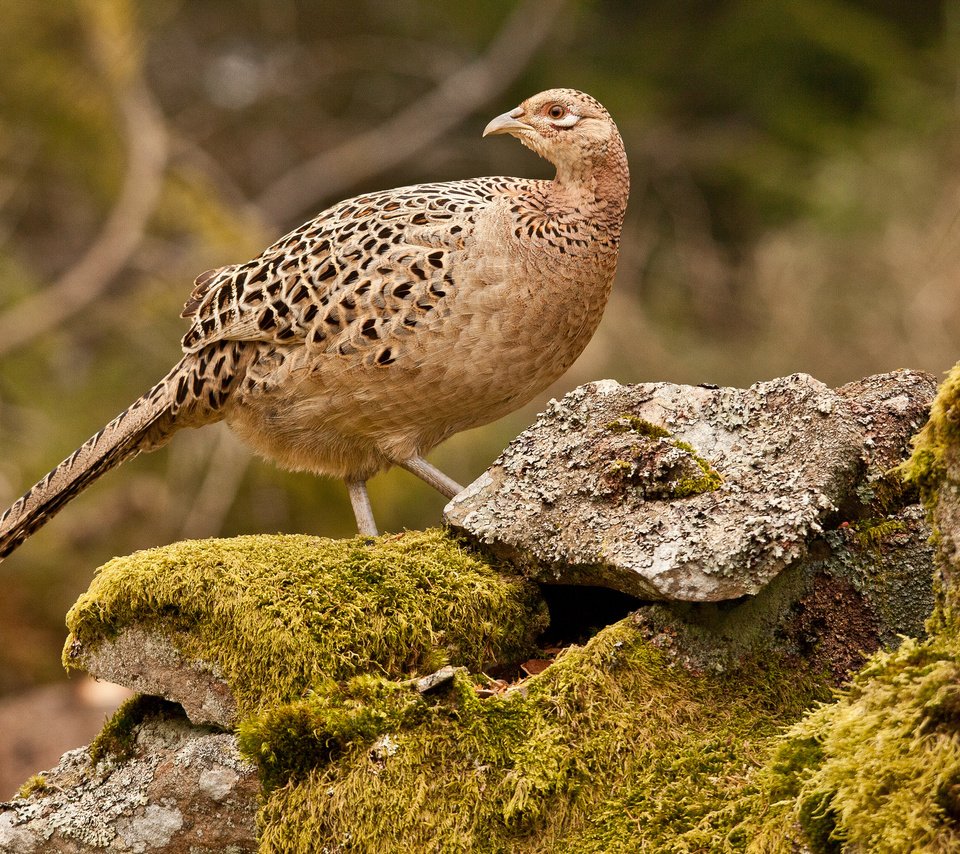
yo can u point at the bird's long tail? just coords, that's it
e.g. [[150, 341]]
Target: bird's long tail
[[182, 398]]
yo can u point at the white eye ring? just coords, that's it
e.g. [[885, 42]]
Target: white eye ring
[[567, 121]]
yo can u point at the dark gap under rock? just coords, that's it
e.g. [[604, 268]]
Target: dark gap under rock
[[579, 612]]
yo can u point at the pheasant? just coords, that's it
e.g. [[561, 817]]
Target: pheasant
[[391, 321]]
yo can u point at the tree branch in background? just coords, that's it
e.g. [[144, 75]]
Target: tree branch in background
[[228, 464], [413, 129], [147, 153]]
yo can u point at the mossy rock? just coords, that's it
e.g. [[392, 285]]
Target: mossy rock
[[612, 748], [278, 615], [622, 744]]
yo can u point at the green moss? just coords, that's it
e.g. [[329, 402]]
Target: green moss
[[118, 736], [926, 467], [620, 467], [879, 770], [279, 614], [633, 424], [35, 785], [874, 533], [708, 480], [291, 739], [933, 464], [612, 748], [690, 477]]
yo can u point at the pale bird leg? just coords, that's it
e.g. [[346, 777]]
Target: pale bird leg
[[361, 508], [446, 486]]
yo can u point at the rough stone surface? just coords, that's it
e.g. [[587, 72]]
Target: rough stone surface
[[145, 660], [890, 408], [185, 790], [851, 595], [590, 493]]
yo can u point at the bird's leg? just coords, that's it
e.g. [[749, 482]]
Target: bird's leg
[[361, 508], [431, 474]]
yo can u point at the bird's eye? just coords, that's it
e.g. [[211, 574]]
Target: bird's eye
[[556, 111]]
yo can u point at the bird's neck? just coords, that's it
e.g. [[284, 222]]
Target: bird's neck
[[598, 187]]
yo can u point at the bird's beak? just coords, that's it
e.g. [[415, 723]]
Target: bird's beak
[[507, 123]]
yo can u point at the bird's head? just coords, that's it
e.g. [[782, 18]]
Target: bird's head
[[569, 128]]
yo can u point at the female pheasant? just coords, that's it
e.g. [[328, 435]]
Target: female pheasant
[[390, 321]]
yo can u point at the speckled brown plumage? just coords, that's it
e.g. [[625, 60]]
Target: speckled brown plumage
[[392, 320]]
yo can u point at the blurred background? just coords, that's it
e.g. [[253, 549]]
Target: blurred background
[[795, 206]]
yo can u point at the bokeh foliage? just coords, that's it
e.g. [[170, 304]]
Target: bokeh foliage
[[795, 207]]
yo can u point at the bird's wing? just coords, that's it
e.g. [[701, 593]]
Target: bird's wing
[[369, 266]]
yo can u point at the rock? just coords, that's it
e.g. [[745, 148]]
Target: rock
[[434, 680], [861, 588], [779, 490], [183, 789], [890, 408], [877, 768], [144, 659], [686, 493]]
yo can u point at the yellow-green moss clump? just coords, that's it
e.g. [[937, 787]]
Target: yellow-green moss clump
[[707, 480], [613, 748], [878, 770], [35, 785], [279, 614], [927, 465], [873, 533], [694, 478], [933, 467], [633, 424]]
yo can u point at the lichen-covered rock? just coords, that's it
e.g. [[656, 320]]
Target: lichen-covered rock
[[879, 768], [863, 587], [685, 493], [176, 789], [890, 408], [145, 659]]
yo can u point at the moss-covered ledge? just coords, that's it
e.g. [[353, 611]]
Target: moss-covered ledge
[[276, 615], [618, 742], [614, 747], [680, 728]]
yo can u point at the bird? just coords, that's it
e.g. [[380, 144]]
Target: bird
[[390, 321]]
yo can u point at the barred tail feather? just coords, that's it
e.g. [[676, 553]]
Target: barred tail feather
[[138, 428]]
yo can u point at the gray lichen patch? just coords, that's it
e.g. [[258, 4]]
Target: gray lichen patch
[[153, 799], [826, 613], [722, 491]]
